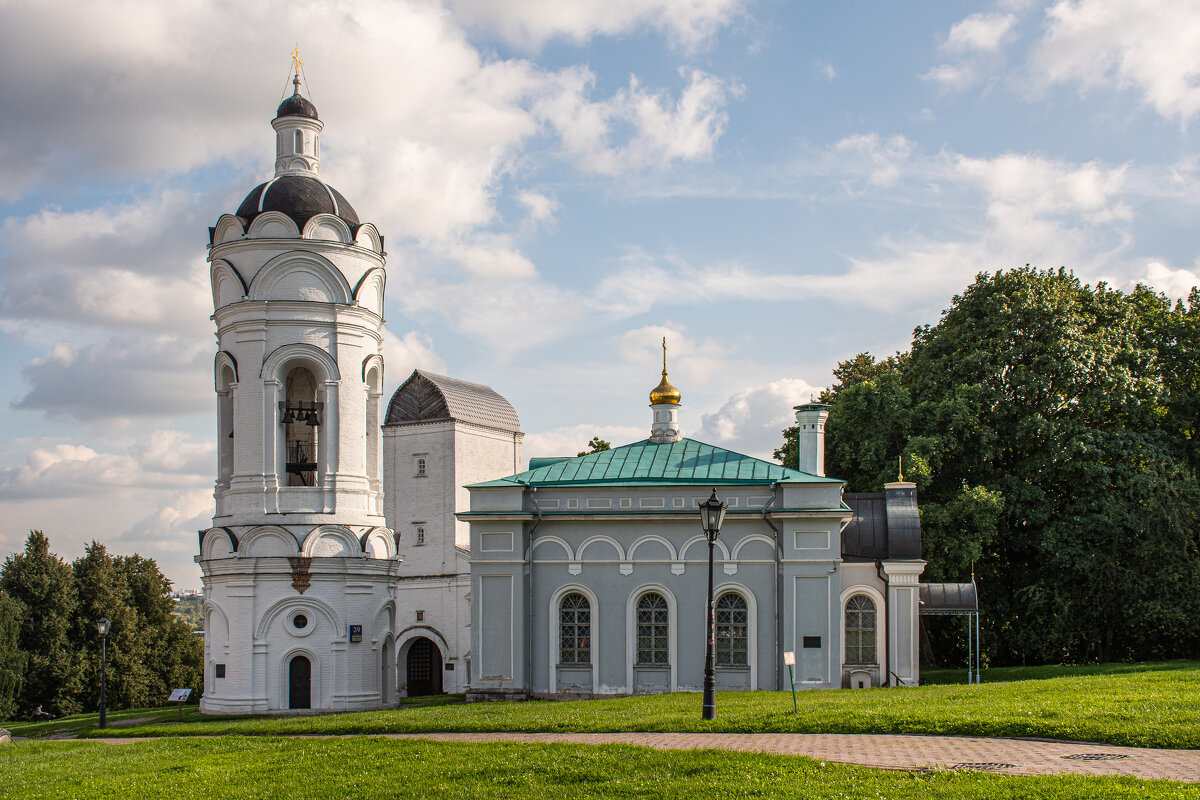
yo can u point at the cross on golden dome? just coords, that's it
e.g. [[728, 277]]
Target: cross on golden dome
[[664, 392]]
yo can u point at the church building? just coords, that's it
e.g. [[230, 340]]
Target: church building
[[591, 572], [358, 555]]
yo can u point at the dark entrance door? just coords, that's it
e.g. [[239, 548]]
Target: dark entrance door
[[300, 683], [424, 668]]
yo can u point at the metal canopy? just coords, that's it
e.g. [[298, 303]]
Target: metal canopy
[[949, 598], [957, 599]]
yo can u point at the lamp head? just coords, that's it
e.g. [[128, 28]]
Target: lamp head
[[712, 515], [102, 626]]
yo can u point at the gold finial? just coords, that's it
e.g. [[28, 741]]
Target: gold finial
[[664, 392], [900, 470], [297, 63]]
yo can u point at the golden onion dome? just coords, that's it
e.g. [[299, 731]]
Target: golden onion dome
[[664, 392]]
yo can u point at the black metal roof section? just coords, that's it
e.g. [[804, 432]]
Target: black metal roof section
[[903, 521], [297, 106], [426, 397], [301, 197], [948, 598], [866, 536], [885, 525]]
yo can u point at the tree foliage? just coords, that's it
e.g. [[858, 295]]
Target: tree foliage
[[149, 649], [1051, 429], [596, 445], [12, 658]]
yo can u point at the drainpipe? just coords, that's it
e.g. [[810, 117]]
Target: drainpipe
[[887, 624], [778, 589], [529, 595]]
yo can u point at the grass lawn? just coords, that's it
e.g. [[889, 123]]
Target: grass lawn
[[1146, 705], [358, 767]]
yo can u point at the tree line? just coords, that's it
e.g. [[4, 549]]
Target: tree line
[[1053, 431], [49, 644]]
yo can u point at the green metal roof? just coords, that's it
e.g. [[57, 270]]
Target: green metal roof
[[645, 463]]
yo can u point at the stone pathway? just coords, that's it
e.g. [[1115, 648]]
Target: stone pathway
[[1002, 756]]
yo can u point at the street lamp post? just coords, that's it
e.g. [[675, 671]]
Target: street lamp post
[[102, 626], [712, 514]]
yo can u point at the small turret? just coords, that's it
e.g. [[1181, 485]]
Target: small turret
[[297, 131], [664, 400]]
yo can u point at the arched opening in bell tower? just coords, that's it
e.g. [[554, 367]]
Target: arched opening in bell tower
[[225, 380], [301, 420]]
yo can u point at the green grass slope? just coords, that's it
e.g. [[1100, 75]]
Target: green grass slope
[[1155, 705], [358, 767]]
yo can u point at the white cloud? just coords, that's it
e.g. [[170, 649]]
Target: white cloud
[[401, 355], [538, 205], [827, 70], [66, 470], [689, 360], [1152, 46], [530, 23], [662, 130], [976, 44], [751, 421], [119, 379], [884, 158], [984, 31], [573, 439], [1176, 283]]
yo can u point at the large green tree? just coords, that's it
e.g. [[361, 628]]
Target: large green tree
[[1049, 427], [12, 658], [44, 586]]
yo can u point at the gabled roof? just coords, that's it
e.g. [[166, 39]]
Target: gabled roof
[[645, 463], [426, 397]]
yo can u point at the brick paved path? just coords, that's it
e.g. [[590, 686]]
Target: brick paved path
[[1024, 757]]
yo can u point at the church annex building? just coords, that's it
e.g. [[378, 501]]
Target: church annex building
[[361, 552]]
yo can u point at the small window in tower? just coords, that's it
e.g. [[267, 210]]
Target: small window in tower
[[317, 146], [420, 536], [299, 142], [220, 671], [420, 616], [420, 468]]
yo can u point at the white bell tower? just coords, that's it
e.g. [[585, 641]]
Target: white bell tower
[[299, 566]]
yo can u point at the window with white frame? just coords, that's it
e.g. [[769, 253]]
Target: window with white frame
[[860, 630], [420, 534], [421, 468], [575, 630], [732, 626], [653, 630]]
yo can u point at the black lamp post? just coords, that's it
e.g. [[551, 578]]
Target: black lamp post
[[102, 626], [712, 514]]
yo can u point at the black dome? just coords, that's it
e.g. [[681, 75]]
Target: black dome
[[297, 106], [301, 197]]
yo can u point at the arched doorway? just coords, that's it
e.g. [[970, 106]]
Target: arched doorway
[[387, 680], [424, 668], [300, 683]]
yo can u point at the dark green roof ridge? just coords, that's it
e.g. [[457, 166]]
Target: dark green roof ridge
[[645, 463]]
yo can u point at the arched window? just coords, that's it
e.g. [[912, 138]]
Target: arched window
[[225, 426], [372, 433], [317, 145], [575, 630], [420, 535], [420, 468], [299, 142], [653, 629], [300, 420], [733, 644], [860, 630]]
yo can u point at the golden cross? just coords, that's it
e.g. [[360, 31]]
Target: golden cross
[[297, 62], [664, 355]]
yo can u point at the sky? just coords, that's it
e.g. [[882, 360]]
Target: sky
[[775, 186]]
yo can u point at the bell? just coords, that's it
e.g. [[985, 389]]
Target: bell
[[311, 420], [288, 416]]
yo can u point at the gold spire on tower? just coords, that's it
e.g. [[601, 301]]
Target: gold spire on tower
[[664, 392], [297, 63]]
